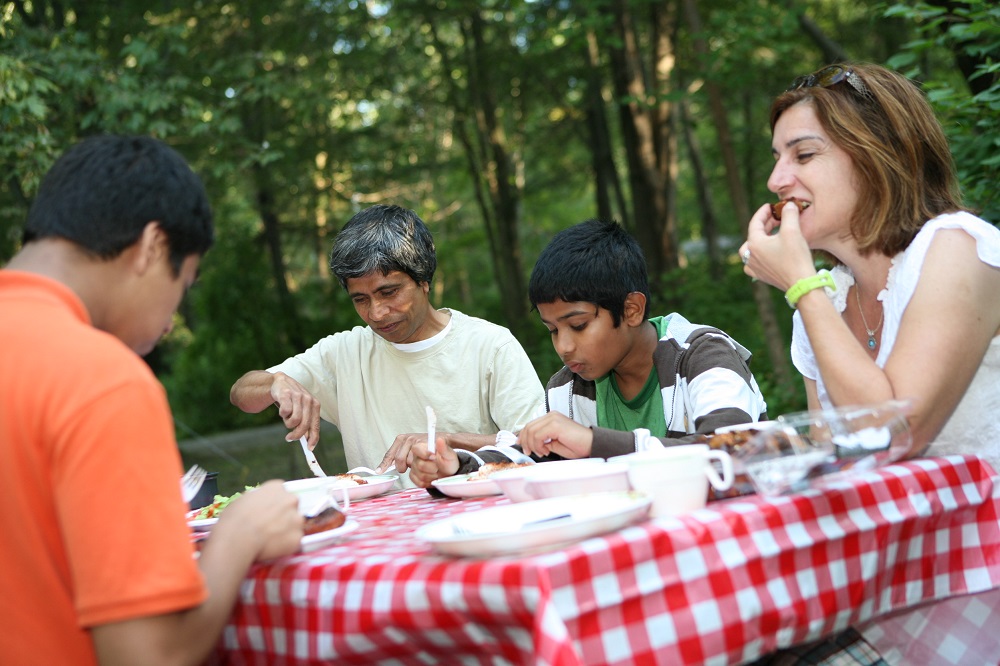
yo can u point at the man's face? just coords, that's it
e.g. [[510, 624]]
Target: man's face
[[394, 305]]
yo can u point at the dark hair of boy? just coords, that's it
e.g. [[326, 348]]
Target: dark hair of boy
[[103, 192], [596, 261]]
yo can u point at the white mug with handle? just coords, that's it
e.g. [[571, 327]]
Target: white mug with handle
[[677, 477]]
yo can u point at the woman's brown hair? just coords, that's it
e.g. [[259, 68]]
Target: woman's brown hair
[[905, 172]]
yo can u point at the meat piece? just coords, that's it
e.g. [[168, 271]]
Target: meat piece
[[776, 207], [327, 519]]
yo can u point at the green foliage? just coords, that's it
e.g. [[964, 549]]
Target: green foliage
[[971, 121], [302, 113]]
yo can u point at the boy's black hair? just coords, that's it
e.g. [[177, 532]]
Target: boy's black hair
[[103, 192], [596, 261]]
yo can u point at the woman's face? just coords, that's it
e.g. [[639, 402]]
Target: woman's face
[[810, 167]]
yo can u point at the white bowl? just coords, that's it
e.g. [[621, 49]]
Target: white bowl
[[511, 481], [311, 491], [577, 480]]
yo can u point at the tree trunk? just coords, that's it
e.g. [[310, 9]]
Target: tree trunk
[[606, 178], [776, 348], [272, 238], [645, 115], [709, 226], [491, 167]]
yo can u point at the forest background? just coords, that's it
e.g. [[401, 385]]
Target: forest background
[[499, 122]]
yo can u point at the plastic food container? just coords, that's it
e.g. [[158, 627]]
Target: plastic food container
[[804, 449]]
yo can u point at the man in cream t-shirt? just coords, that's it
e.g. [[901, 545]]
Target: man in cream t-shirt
[[375, 382]]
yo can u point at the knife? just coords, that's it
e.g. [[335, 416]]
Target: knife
[[311, 458]]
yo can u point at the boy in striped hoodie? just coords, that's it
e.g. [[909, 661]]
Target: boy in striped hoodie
[[624, 374]]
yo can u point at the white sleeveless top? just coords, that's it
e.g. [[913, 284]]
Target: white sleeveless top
[[974, 427]]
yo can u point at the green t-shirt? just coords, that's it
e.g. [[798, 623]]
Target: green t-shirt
[[644, 410]]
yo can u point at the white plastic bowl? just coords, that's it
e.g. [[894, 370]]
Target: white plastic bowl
[[512, 481], [577, 480], [311, 491]]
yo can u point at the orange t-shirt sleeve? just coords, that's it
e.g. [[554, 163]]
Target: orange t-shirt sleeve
[[120, 509]]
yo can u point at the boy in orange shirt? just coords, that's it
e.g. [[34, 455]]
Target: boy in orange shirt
[[96, 564]]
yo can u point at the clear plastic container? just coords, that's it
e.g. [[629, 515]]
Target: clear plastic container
[[810, 448]]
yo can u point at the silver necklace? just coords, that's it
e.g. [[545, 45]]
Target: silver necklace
[[870, 331]]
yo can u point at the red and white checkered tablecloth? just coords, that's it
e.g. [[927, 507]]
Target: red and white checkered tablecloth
[[723, 585]]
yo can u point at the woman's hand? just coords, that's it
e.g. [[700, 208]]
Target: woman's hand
[[779, 254]]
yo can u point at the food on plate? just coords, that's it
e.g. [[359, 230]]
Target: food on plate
[[776, 207], [486, 470], [213, 510], [730, 441], [327, 519], [358, 480]]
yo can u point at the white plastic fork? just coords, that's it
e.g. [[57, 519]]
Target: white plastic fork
[[369, 471], [192, 482]]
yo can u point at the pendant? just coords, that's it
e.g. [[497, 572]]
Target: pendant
[[871, 342]]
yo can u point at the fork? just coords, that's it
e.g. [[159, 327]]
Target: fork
[[370, 472], [192, 482]]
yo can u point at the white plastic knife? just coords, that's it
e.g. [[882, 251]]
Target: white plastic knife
[[311, 458], [431, 429]]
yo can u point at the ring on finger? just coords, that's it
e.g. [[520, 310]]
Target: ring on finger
[[745, 256]]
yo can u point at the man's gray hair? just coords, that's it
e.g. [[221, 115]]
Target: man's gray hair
[[384, 238]]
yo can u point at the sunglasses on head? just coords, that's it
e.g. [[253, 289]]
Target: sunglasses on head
[[830, 76]]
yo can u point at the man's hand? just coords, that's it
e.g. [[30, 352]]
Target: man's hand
[[399, 452], [556, 433], [297, 407], [259, 389], [426, 466]]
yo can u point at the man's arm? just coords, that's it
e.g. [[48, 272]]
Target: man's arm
[[252, 391], [262, 524], [298, 408]]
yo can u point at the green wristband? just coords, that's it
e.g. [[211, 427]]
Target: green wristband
[[805, 285]]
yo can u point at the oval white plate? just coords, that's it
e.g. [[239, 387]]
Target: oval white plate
[[526, 526], [312, 542], [376, 485], [460, 486]]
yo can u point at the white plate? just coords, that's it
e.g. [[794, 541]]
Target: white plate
[[312, 542], [460, 486], [526, 526], [202, 524], [377, 485], [309, 487]]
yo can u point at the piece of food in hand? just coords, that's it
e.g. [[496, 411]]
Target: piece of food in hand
[[327, 519], [776, 207], [486, 470]]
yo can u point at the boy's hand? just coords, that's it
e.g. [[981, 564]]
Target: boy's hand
[[426, 466], [269, 517], [556, 433]]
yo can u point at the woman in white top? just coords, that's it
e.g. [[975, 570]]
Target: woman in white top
[[911, 309]]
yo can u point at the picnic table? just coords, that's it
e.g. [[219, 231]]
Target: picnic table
[[886, 551]]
